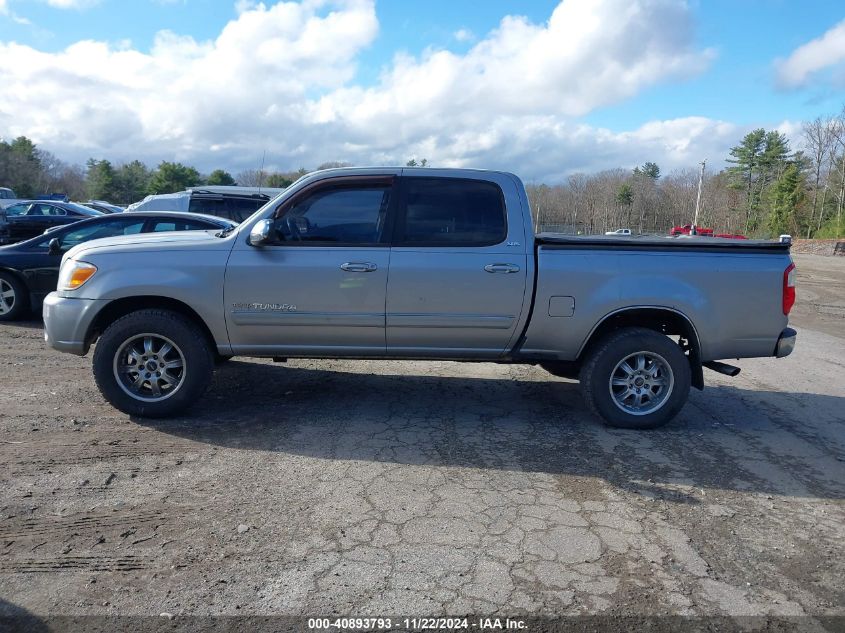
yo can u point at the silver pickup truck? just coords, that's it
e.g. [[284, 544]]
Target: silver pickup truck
[[393, 263]]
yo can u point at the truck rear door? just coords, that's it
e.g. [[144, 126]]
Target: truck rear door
[[458, 269]]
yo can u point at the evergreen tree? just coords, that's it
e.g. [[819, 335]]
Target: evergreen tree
[[100, 179], [132, 181], [624, 195], [645, 192], [279, 180], [787, 193], [625, 199], [171, 177], [20, 166], [221, 177], [759, 161], [746, 157], [775, 153], [648, 170]]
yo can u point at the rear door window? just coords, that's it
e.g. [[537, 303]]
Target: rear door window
[[46, 209], [451, 212]]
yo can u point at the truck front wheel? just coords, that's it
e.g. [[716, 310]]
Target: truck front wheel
[[153, 363], [636, 378]]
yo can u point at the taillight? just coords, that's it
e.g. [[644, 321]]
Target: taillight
[[788, 288]]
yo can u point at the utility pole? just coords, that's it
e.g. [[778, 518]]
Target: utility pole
[[698, 200], [261, 171]]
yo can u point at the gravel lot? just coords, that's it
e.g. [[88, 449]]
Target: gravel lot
[[325, 487]]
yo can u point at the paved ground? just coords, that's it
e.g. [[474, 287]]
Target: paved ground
[[427, 488]]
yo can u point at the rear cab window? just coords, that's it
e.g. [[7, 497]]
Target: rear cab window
[[450, 212]]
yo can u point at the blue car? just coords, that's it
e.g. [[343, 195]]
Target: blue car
[[29, 270]]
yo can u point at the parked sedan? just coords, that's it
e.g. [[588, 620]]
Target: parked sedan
[[27, 219], [29, 270]]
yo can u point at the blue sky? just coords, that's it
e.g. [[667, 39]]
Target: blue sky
[[737, 43]]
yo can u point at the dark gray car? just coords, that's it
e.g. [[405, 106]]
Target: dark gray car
[[29, 270]]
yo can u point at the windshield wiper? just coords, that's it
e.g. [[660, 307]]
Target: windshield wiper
[[225, 231]]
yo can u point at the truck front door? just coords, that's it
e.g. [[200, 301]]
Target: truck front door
[[458, 271], [318, 287]]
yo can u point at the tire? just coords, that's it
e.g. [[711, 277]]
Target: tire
[[14, 298], [661, 384], [128, 372]]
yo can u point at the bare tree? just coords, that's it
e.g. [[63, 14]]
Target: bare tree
[[820, 137], [252, 178], [839, 134]]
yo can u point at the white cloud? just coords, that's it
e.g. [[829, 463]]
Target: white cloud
[[5, 11], [464, 35], [282, 78], [245, 5], [824, 52], [73, 4]]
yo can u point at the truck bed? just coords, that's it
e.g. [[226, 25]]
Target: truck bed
[[730, 291], [656, 242]]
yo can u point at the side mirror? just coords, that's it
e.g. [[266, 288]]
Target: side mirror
[[260, 233], [54, 246]]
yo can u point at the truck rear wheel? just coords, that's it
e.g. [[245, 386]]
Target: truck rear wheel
[[153, 363], [636, 378]]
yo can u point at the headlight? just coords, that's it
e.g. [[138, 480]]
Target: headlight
[[73, 274]]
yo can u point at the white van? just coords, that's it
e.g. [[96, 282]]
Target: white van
[[232, 203]]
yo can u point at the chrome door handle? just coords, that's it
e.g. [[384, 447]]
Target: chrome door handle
[[359, 267], [501, 268]]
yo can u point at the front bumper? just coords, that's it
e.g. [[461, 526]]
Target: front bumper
[[67, 322], [786, 342]]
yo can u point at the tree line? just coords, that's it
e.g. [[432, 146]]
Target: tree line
[[766, 189], [31, 171]]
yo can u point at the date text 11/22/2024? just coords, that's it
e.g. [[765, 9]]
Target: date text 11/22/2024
[[415, 624]]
